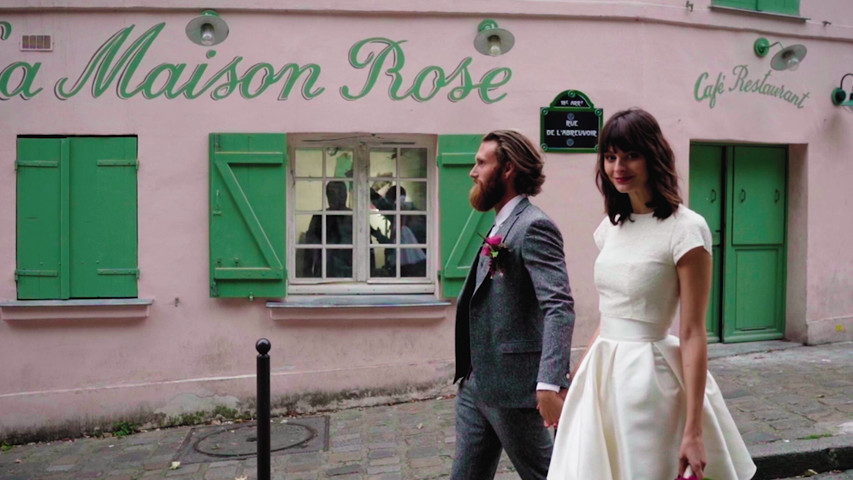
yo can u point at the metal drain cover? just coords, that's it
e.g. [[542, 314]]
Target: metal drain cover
[[214, 443], [243, 440]]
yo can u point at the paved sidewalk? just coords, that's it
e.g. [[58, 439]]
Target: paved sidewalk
[[792, 403]]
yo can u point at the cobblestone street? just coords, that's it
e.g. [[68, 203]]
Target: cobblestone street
[[792, 403]]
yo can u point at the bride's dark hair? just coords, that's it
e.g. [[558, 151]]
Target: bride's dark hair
[[636, 130]]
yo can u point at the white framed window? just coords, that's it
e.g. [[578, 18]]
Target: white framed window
[[360, 213]]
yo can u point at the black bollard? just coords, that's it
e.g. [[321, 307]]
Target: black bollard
[[263, 347]]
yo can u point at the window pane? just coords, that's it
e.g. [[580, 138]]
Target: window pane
[[338, 163], [303, 226], [382, 228], [379, 193], [414, 229], [338, 229], [308, 162], [309, 195], [382, 262], [383, 162], [338, 195], [413, 162], [412, 262], [308, 264], [415, 196], [339, 263]]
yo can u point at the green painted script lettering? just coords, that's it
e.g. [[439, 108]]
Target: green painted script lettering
[[110, 65], [24, 87], [427, 83]]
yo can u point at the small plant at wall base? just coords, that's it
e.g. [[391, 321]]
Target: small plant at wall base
[[122, 429], [5, 447]]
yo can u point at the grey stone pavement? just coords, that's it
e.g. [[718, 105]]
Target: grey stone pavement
[[792, 403]]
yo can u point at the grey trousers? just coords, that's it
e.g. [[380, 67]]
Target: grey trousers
[[482, 431]]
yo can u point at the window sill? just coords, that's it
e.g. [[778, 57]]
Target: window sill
[[359, 307], [772, 15], [123, 309]]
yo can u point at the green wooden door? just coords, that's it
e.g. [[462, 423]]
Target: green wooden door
[[706, 198], [754, 278], [740, 190]]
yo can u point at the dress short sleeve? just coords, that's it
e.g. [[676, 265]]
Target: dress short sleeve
[[691, 231], [600, 234]]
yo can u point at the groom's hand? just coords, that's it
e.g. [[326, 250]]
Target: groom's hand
[[550, 405]]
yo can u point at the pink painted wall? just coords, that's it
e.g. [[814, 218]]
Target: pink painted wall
[[201, 350]]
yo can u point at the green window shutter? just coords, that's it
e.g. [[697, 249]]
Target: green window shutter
[[247, 215], [460, 225], [103, 230], [788, 7], [744, 4], [40, 238]]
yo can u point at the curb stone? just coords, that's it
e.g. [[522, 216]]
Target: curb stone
[[786, 459]]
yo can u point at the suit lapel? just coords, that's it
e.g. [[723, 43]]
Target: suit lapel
[[506, 227], [503, 231]]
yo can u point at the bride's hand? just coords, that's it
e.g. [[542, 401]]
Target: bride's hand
[[692, 452], [550, 405]]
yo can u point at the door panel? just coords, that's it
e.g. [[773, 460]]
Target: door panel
[[759, 196], [706, 198], [755, 290], [753, 306]]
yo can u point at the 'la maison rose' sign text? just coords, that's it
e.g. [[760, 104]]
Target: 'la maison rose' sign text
[[115, 66]]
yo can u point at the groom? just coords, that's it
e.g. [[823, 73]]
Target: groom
[[514, 320]]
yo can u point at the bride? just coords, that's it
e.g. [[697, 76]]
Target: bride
[[642, 404]]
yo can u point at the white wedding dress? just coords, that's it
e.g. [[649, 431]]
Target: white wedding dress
[[625, 411]]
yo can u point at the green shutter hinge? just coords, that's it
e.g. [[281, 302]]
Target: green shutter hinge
[[214, 289], [216, 145], [217, 209]]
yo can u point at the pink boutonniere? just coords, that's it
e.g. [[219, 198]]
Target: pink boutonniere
[[496, 251]]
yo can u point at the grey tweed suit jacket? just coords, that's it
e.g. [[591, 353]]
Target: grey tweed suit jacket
[[515, 329]]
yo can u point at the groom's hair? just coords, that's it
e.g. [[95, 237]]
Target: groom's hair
[[514, 147]]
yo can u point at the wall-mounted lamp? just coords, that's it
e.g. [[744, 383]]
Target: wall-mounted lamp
[[788, 58], [841, 97], [491, 40], [207, 29]]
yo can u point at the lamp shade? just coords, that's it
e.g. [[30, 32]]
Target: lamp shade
[[208, 29], [788, 58], [491, 40]]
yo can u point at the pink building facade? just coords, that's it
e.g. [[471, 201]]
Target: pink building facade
[[177, 183]]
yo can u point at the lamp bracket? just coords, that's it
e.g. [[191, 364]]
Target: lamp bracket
[[762, 46]]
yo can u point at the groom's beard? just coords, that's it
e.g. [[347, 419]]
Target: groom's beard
[[485, 198]]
